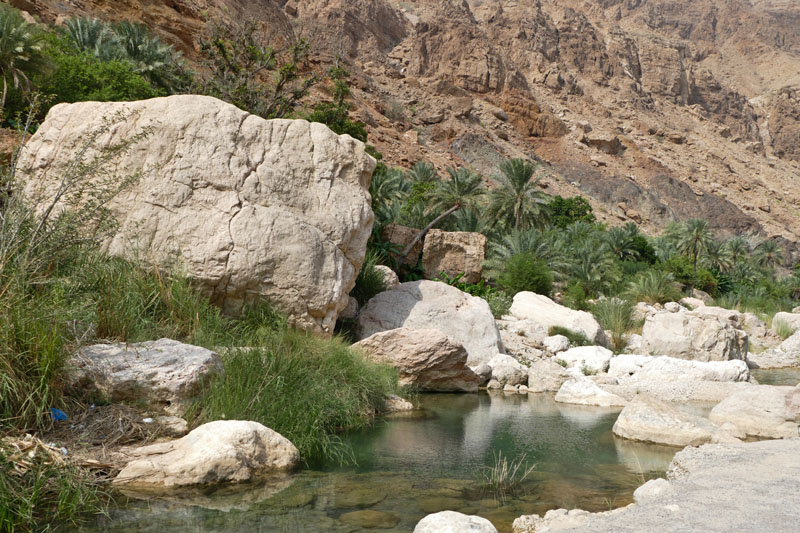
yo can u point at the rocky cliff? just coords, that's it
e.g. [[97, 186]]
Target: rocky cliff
[[653, 109]]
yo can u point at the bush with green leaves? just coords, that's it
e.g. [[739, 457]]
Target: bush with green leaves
[[370, 281], [525, 272], [566, 211], [576, 338], [653, 286], [499, 301]]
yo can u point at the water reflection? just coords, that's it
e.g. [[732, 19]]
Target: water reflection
[[409, 467]]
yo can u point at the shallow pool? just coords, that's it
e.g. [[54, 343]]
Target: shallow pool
[[410, 466], [777, 376]]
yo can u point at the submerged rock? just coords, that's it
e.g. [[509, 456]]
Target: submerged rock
[[164, 374], [426, 359], [225, 451], [547, 313], [434, 305], [453, 522], [249, 207]]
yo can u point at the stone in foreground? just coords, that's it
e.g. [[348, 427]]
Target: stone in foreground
[[650, 420], [434, 305], [547, 313], [706, 491], [453, 522], [225, 451], [165, 374], [426, 359], [250, 208]]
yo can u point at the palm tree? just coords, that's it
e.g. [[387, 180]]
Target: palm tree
[[422, 172], [93, 36], [594, 266], [738, 250], [717, 255], [462, 190], [622, 241], [518, 200], [388, 190], [769, 254], [153, 59], [21, 51], [692, 239]]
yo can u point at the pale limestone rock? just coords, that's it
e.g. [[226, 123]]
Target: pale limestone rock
[[545, 312], [432, 304], [556, 344], [172, 426], [592, 358], [702, 335], [247, 207], [426, 359], [164, 374], [522, 338], [396, 404], [789, 320], [634, 343], [453, 522], [507, 370], [454, 252], [650, 420], [759, 411], [582, 391], [390, 279], [663, 368], [787, 354], [545, 375], [225, 451], [653, 490], [692, 303], [484, 372], [553, 520]]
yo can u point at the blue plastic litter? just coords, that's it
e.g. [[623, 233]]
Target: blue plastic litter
[[58, 414]]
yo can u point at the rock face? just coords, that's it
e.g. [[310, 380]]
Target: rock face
[[165, 374], [764, 474], [649, 420], [453, 522], [759, 411], [696, 335], [225, 451], [454, 252], [425, 359], [249, 207], [545, 312], [432, 304], [592, 359], [586, 392]]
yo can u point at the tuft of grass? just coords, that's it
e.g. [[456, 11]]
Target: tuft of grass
[[615, 315], [305, 387], [370, 281], [576, 338], [38, 487], [783, 330], [505, 476]]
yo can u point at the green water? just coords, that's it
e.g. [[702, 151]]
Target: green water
[[411, 466], [777, 376]]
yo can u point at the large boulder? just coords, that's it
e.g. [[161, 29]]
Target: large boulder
[[545, 375], [225, 451], [759, 411], [649, 420], [582, 391], [589, 359], [432, 304], [787, 354], [164, 374], [545, 312], [454, 253], [701, 335], [453, 522], [248, 207], [663, 368], [426, 359]]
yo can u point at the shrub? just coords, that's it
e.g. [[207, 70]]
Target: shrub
[[576, 338], [566, 211], [575, 297], [524, 272], [302, 386], [653, 286], [500, 303], [614, 315], [370, 280]]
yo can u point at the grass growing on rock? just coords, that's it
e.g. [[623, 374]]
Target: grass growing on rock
[[614, 315]]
